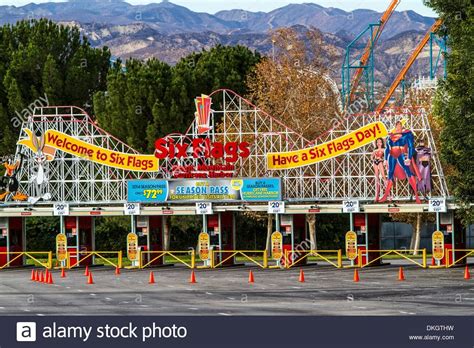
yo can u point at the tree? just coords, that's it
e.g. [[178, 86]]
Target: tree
[[295, 87], [149, 100], [41, 59], [52, 81], [454, 102]]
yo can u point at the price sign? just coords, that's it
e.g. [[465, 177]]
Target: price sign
[[60, 209], [437, 240], [61, 247], [276, 207], [204, 208], [437, 205], [351, 245], [131, 208], [350, 206], [132, 247], [204, 244], [277, 245]]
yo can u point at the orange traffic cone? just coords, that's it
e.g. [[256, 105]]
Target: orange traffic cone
[[301, 280], [50, 278], [90, 280], [401, 275], [467, 275], [46, 275], [63, 273], [86, 271], [251, 278], [356, 275], [192, 278], [32, 275], [151, 279], [36, 276], [117, 271], [40, 278]]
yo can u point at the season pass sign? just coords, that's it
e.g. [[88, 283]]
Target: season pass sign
[[248, 189], [349, 142]]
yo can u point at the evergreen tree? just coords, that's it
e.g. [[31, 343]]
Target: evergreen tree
[[454, 103], [52, 81], [152, 99], [40, 57]]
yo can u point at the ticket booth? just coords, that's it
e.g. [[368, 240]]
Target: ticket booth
[[221, 229], [294, 232], [454, 238], [12, 239], [150, 237], [80, 233], [367, 227]]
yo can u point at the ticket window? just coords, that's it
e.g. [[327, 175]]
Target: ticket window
[[12, 239], [221, 230], [150, 237], [80, 238], [294, 232], [214, 231], [367, 227], [454, 238]]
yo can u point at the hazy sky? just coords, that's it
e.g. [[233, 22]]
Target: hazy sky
[[212, 6]]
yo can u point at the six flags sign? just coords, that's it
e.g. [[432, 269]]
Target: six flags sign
[[203, 147]]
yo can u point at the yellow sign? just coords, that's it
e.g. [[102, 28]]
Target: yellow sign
[[53, 140], [204, 244], [351, 245], [61, 247], [438, 245], [322, 152], [132, 246], [277, 245]]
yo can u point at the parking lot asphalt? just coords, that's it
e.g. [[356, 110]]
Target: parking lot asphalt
[[226, 292]]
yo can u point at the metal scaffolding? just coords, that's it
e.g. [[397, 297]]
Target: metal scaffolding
[[349, 176], [69, 178]]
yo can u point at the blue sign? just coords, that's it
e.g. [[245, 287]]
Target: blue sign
[[214, 190]]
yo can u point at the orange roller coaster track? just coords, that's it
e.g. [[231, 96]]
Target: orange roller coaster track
[[369, 47], [408, 64]]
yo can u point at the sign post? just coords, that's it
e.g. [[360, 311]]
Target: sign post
[[204, 243], [61, 248], [277, 208], [437, 240], [351, 246], [132, 248], [277, 247]]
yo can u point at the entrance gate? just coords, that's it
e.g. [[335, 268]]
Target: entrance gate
[[81, 182]]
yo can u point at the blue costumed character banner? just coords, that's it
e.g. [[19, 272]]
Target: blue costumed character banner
[[215, 190]]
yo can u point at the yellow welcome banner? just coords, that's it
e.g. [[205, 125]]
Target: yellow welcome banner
[[53, 140], [349, 142]]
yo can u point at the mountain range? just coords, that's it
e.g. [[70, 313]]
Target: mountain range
[[169, 32], [167, 17]]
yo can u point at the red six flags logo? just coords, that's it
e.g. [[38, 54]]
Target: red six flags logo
[[203, 113], [201, 146]]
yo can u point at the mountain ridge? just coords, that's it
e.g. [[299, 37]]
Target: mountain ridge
[[168, 17]]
